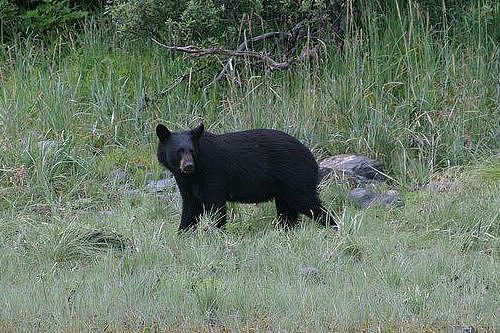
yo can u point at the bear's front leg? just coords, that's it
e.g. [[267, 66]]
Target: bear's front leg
[[191, 212]]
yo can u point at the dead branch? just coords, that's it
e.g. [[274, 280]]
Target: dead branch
[[293, 38], [197, 51], [244, 45]]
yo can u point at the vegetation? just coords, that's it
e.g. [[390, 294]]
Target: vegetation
[[219, 21], [46, 17], [82, 249]]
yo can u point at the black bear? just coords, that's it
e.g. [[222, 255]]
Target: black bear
[[248, 167]]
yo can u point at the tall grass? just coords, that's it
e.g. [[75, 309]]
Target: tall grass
[[72, 113], [400, 92]]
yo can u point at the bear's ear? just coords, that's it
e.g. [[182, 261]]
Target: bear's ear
[[162, 132], [197, 132]]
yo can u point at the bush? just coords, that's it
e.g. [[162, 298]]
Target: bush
[[48, 15], [40, 16], [8, 17], [211, 21], [206, 22]]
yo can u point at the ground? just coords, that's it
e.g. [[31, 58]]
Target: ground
[[427, 266]]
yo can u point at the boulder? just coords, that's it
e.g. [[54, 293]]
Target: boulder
[[366, 198], [356, 169], [462, 329], [165, 184]]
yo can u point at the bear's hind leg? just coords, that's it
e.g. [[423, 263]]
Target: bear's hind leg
[[320, 214], [286, 214]]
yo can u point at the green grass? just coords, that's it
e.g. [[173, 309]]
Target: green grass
[[78, 253], [432, 264]]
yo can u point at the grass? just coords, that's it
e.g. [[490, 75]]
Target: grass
[[79, 252], [432, 264]]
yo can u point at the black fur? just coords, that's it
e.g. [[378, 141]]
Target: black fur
[[248, 167]]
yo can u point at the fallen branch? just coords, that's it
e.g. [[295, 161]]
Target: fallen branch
[[244, 45], [293, 38], [197, 51]]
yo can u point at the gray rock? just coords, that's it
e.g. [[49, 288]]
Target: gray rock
[[366, 198], [163, 188], [131, 192], [356, 169], [161, 185], [462, 329]]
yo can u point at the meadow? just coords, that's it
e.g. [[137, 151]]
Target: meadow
[[84, 246]]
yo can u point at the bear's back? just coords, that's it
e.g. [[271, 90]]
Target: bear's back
[[263, 144], [266, 138], [259, 155]]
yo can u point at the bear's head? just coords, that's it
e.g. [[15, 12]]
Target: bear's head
[[178, 151]]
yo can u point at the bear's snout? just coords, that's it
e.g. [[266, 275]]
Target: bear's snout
[[187, 164]]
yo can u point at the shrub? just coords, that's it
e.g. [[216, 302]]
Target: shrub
[[49, 15], [199, 21], [202, 21], [8, 15], [40, 16]]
